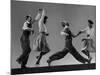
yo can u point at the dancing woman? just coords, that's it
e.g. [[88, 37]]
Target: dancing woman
[[25, 41], [42, 45], [88, 41], [69, 48]]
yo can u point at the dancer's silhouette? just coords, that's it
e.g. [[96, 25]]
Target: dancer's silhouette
[[41, 42], [69, 48], [25, 41], [88, 41]]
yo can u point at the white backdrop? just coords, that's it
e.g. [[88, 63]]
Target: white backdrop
[[5, 36]]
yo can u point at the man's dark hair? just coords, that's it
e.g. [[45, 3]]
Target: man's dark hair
[[45, 19], [90, 21]]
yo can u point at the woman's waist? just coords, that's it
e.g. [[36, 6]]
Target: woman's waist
[[68, 42], [25, 36], [68, 39], [26, 32], [42, 34]]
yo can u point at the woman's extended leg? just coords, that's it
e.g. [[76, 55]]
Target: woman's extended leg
[[80, 58], [57, 56]]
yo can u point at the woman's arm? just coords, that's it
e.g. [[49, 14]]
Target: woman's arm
[[38, 16], [42, 16], [81, 31], [40, 23]]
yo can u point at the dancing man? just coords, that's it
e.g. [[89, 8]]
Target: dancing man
[[69, 48], [41, 43], [88, 41], [25, 41]]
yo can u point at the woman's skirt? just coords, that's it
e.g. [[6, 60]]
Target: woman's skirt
[[42, 44], [88, 45]]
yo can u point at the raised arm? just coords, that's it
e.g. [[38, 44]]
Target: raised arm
[[43, 14], [38, 16], [42, 18]]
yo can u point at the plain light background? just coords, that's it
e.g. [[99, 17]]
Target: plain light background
[[5, 36], [76, 15]]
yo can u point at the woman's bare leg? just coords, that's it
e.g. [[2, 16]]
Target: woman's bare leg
[[39, 58]]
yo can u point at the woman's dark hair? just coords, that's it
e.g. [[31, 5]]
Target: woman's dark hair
[[64, 24], [90, 21], [28, 17], [45, 19]]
